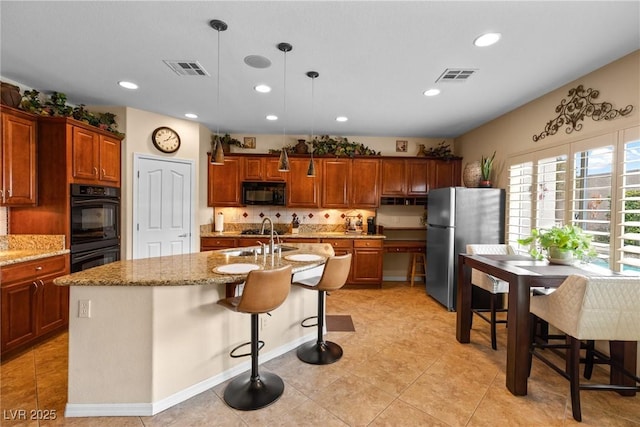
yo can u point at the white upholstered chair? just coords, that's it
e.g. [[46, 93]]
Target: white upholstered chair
[[587, 309], [490, 284]]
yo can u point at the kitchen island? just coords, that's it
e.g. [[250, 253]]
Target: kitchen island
[[147, 334]]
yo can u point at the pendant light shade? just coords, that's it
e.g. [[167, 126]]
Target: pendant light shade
[[217, 153], [283, 163], [311, 170]]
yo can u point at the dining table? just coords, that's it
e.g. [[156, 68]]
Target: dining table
[[523, 273]]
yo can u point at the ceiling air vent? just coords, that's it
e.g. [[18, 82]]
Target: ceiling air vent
[[456, 74], [187, 68]]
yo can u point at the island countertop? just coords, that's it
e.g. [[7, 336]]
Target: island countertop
[[190, 269]]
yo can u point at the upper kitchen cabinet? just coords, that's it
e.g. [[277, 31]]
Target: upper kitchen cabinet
[[260, 168], [18, 164], [224, 186], [394, 178], [95, 158], [351, 183], [444, 173], [93, 154], [303, 191]]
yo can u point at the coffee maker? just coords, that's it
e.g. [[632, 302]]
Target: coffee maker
[[371, 225]]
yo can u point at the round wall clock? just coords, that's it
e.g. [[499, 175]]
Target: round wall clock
[[166, 139]]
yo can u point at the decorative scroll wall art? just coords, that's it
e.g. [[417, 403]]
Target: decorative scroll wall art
[[580, 105]]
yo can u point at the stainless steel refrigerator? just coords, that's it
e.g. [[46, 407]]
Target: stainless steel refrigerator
[[458, 216]]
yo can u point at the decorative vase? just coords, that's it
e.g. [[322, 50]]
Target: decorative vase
[[560, 256], [472, 175], [420, 152], [301, 147], [226, 147], [10, 95]]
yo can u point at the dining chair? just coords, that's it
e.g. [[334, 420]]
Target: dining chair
[[589, 309], [490, 284]]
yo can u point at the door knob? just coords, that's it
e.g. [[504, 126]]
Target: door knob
[[182, 235]]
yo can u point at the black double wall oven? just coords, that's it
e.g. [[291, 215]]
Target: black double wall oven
[[95, 226]]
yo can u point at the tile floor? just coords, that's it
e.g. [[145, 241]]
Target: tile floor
[[402, 367]]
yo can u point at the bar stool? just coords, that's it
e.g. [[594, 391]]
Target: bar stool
[[418, 260], [490, 284], [264, 290], [588, 309], [334, 276]]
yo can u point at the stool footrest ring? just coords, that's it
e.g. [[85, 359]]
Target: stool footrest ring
[[235, 356], [306, 325]]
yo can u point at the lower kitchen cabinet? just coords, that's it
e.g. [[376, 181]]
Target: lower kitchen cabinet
[[366, 263], [366, 267], [33, 308]]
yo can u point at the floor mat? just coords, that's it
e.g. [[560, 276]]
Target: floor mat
[[339, 323]]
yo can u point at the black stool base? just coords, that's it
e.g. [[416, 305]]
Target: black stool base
[[319, 353], [247, 395]]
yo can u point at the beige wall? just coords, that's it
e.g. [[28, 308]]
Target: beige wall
[[618, 83]]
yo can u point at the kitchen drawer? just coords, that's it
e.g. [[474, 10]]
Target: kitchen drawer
[[367, 243], [213, 243], [339, 243], [29, 270]]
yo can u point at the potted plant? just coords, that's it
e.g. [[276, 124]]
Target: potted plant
[[485, 168], [562, 244], [226, 142]]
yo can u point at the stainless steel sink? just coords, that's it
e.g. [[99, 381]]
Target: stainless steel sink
[[256, 250]]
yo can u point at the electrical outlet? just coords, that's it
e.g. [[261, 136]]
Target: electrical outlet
[[263, 322], [84, 308]]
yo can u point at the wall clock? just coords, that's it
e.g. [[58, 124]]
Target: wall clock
[[166, 139]]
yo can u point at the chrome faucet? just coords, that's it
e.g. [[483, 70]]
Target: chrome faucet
[[271, 238]]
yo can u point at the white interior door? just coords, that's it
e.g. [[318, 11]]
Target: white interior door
[[163, 207]]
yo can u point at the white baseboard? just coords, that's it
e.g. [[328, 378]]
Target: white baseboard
[[152, 408]]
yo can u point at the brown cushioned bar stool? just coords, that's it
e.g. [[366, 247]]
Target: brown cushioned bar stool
[[264, 290], [334, 276]]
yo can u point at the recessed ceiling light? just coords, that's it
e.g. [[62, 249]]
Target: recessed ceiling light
[[431, 92], [128, 85], [272, 117], [191, 116], [487, 39], [341, 119], [262, 88]]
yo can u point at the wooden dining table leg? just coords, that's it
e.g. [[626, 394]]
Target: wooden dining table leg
[[625, 354], [518, 336], [463, 302]]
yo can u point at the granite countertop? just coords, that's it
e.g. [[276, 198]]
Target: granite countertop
[[190, 269], [15, 248], [305, 235]]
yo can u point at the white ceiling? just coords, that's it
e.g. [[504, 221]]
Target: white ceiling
[[375, 58]]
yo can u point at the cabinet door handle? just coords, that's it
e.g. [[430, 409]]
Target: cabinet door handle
[[35, 286], [38, 268], [103, 172], [9, 192], [95, 170]]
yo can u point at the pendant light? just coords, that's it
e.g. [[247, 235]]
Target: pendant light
[[311, 171], [283, 163], [217, 156]]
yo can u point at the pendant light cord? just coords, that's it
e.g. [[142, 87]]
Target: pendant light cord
[[284, 103]]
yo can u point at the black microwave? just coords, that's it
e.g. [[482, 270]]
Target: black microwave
[[263, 193]]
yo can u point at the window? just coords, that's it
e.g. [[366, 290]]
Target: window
[[593, 183], [629, 240]]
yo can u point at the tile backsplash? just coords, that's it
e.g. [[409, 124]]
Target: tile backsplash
[[3, 221]]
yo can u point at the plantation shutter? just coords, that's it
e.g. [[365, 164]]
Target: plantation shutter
[[519, 202], [551, 191], [593, 168], [629, 236]]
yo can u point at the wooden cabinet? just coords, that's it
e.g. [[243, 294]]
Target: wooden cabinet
[[394, 181], [262, 169], [350, 183], [417, 178], [18, 164], [95, 158], [444, 173], [215, 243], [366, 263], [303, 191], [224, 186], [32, 306], [366, 268]]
